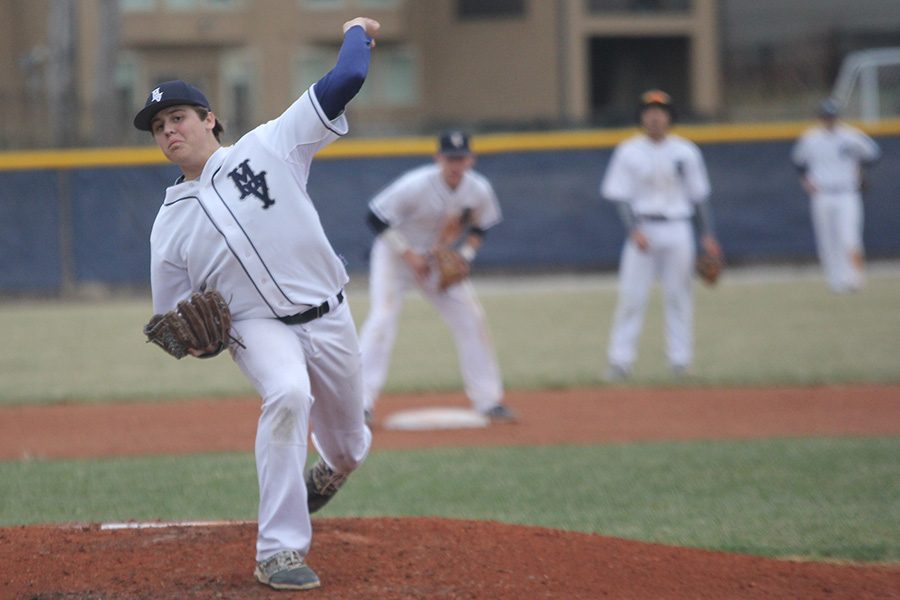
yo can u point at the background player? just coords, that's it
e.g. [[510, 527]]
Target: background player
[[230, 223], [409, 217], [659, 182], [830, 158]]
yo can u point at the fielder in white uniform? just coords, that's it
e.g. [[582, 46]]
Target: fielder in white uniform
[[409, 217], [240, 221], [659, 182], [830, 158]]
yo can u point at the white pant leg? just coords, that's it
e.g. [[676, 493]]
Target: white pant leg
[[388, 282], [636, 272], [676, 273], [339, 432], [462, 312], [849, 215], [275, 363], [825, 224]]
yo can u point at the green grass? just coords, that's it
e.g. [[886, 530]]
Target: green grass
[[190, 487], [815, 498], [787, 332]]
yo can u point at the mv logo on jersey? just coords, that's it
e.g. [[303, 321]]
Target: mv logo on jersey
[[248, 183]]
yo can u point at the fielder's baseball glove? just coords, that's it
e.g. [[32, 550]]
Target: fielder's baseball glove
[[709, 268], [452, 268], [200, 323]]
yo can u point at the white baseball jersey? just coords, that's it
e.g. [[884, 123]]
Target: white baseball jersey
[[417, 203], [662, 181], [658, 178], [832, 156], [248, 227], [831, 160]]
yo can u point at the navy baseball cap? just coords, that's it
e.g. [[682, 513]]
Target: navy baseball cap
[[454, 142], [829, 107], [166, 94]]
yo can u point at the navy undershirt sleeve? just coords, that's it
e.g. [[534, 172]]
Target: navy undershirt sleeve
[[375, 223], [704, 218], [344, 81]]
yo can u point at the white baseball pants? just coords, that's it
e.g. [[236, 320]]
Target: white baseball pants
[[670, 258], [838, 225], [389, 281], [308, 376]]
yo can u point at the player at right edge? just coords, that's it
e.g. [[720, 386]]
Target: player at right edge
[[830, 158]]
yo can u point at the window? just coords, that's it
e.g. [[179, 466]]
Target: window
[[311, 65], [137, 5], [125, 82], [239, 84], [638, 6], [323, 4], [485, 9], [202, 4], [397, 84], [378, 3], [129, 92], [392, 81], [337, 4]]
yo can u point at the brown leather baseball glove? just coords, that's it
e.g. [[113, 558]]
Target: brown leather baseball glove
[[452, 267], [199, 326], [709, 268]]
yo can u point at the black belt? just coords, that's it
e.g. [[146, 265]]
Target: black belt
[[311, 314], [659, 218]]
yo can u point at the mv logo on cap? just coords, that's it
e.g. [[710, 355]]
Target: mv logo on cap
[[156, 95], [248, 182], [454, 143], [457, 139]]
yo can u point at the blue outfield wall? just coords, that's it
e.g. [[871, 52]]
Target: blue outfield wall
[[113, 211], [30, 231], [73, 225], [553, 217]]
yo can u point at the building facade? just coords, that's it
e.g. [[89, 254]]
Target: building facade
[[74, 71]]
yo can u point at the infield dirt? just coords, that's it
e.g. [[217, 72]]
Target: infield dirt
[[432, 558]]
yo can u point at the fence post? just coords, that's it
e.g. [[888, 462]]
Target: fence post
[[66, 234]]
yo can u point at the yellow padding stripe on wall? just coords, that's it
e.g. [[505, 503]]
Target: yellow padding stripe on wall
[[424, 146], [80, 158]]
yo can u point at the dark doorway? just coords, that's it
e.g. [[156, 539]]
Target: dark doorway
[[622, 68]]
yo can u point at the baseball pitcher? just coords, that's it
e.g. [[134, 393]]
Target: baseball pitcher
[[239, 221]]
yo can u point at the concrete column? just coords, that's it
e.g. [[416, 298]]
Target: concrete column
[[576, 59], [706, 88]]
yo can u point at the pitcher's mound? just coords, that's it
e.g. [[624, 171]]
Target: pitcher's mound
[[418, 419], [410, 558]]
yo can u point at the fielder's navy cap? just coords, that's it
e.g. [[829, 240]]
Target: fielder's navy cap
[[454, 142], [166, 94], [829, 107]]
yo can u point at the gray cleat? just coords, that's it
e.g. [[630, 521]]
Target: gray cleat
[[500, 413], [615, 373], [286, 571], [321, 485]]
